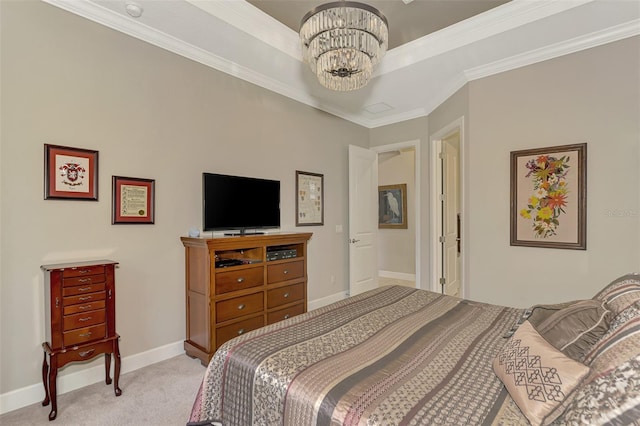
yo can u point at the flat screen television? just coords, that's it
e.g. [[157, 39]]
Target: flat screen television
[[238, 203]]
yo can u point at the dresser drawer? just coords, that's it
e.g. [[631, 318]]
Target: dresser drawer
[[83, 270], [228, 332], [239, 279], [84, 353], [82, 307], [284, 295], [283, 314], [83, 298], [285, 271], [91, 279], [83, 319], [82, 289], [82, 335], [239, 306]]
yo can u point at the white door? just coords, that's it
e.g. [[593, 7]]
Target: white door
[[450, 216], [363, 220]]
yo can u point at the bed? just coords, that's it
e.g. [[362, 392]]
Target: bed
[[402, 356]]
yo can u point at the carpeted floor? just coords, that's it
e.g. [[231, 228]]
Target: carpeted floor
[[160, 394]]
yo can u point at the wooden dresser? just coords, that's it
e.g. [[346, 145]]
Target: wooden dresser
[[80, 317], [238, 284]]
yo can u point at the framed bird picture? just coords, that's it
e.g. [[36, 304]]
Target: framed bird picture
[[392, 206]]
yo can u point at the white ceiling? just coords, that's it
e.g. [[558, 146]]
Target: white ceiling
[[237, 38]]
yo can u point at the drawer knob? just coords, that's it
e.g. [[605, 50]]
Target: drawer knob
[[285, 295], [87, 334], [86, 353], [84, 319], [241, 306], [240, 331], [84, 288], [84, 280], [240, 280], [286, 271], [287, 316], [84, 308], [85, 298], [84, 271]]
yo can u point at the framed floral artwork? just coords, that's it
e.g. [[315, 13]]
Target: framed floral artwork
[[70, 173], [549, 197], [133, 200]]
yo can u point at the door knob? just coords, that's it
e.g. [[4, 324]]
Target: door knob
[[353, 240]]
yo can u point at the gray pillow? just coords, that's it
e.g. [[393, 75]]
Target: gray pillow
[[575, 328]]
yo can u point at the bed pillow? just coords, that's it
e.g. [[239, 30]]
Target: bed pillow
[[620, 344], [573, 327], [540, 379], [621, 293], [536, 314], [576, 328], [539, 313], [610, 399]]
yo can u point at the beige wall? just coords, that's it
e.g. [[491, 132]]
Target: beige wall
[[150, 114], [591, 96]]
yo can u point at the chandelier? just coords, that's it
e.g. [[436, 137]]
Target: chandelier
[[342, 42]]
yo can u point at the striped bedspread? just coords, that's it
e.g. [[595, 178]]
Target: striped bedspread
[[391, 356]]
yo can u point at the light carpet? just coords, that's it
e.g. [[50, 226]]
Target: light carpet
[[159, 394]]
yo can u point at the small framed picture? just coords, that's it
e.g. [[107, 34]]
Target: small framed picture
[[549, 197], [392, 206], [309, 199], [70, 173], [133, 200]]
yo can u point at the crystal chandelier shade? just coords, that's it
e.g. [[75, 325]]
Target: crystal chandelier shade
[[343, 42]]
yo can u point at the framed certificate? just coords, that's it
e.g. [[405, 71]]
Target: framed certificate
[[133, 200], [70, 173]]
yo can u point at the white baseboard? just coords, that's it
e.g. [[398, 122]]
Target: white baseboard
[[324, 301], [66, 383], [397, 275]]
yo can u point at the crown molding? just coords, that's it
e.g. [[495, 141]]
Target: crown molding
[[495, 21], [282, 38], [595, 39], [248, 18]]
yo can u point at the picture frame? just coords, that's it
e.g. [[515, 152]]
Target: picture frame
[[392, 206], [548, 200], [70, 173], [309, 199], [133, 200]]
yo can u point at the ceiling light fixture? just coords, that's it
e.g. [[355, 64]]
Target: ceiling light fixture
[[342, 42]]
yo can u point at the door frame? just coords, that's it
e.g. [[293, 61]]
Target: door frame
[[415, 144], [436, 181]]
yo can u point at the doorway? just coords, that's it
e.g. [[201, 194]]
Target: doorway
[[399, 248], [447, 210], [362, 167], [396, 234]]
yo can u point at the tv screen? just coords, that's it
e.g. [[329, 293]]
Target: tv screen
[[239, 203]]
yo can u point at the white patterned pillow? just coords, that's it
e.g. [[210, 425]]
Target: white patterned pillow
[[610, 399], [539, 377]]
